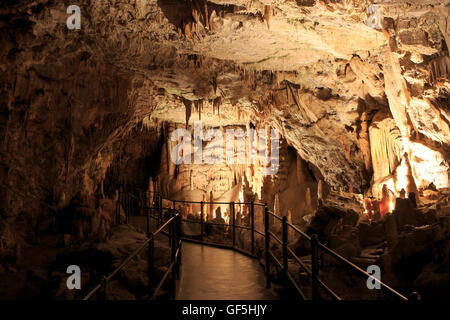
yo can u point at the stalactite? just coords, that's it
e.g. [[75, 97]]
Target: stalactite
[[188, 105], [267, 15], [216, 105], [214, 84], [196, 105], [205, 8]]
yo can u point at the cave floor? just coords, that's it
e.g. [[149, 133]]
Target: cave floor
[[209, 273]]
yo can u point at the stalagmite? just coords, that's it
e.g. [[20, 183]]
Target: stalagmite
[[411, 184], [276, 205], [299, 172], [203, 207], [364, 140], [211, 200], [290, 231], [170, 163], [151, 194], [158, 185], [321, 193], [308, 199]]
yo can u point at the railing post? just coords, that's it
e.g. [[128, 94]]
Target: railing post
[[174, 267], [147, 211], [252, 222], [285, 251], [233, 216], [171, 240], [129, 207], [201, 221], [178, 245], [126, 207], [127, 216], [267, 235], [150, 266], [118, 209], [102, 292], [314, 267], [159, 210]]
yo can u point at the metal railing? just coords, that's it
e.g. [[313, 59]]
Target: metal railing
[[173, 223], [232, 225], [316, 248]]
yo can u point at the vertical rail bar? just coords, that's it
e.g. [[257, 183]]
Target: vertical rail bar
[[201, 221], [159, 210], [267, 235], [128, 208], [314, 267], [252, 222], [178, 245], [171, 242], [233, 216], [285, 251], [150, 265], [147, 211], [174, 267], [118, 209]]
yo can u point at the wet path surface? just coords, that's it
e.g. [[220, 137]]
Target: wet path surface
[[209, 273]]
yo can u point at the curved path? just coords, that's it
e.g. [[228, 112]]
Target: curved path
[[209, 273]]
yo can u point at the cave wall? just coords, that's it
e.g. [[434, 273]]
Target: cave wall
[[294, 184], [316, 73]]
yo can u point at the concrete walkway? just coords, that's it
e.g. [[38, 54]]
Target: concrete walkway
[[209, 273]]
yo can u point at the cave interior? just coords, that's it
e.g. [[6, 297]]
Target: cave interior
[[344, 124]]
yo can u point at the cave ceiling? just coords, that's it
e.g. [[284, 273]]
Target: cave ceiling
[[312, 69]]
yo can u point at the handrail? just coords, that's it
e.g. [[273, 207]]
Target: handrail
[[354, 266], [315, 245], [216, 202], [275, 216], [175, 219], [304, 235], [314, 273]]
